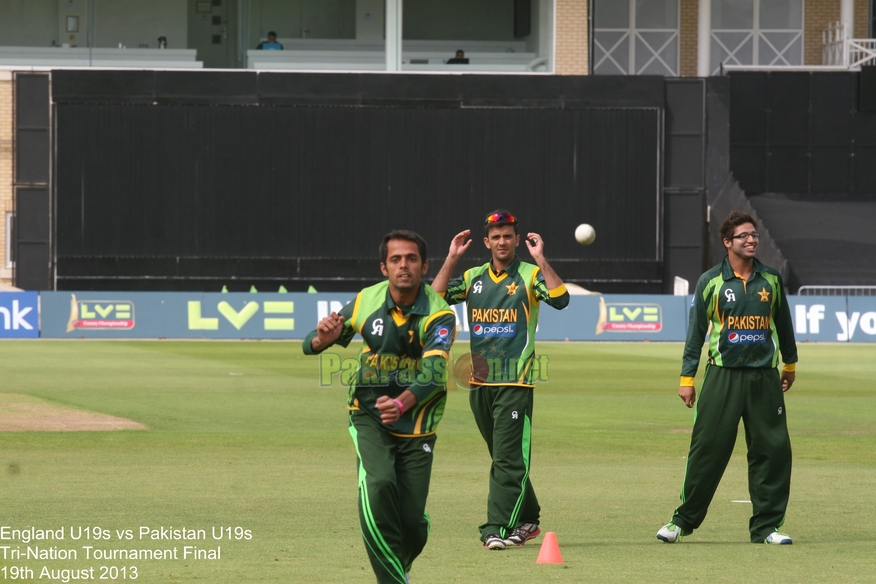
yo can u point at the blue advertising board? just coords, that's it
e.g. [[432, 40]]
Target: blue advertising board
[[193, 315], [834, 318], [184, 315], [861, 319], [19, 315]]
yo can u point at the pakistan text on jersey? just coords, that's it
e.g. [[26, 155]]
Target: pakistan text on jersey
[[493, 315], [749, 323]]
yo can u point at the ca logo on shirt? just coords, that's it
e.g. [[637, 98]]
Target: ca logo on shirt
[[476, 289], [729, 295], [377, 327]]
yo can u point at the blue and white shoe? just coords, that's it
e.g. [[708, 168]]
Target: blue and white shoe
[[778, 538], [670, 533]]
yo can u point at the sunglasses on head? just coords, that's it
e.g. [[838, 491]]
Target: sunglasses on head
[[501, 218]]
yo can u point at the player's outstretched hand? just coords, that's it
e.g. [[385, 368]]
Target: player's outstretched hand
[[688, 395], [535, 244], [459, 245], [388, 409], [329, 329]]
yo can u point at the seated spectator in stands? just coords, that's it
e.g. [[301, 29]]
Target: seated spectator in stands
[[271, 44], [459, 59]]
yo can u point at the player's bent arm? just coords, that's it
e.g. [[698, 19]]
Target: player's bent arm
[[432, 367], [458, 247], [555, 297], [333, 329], [442, 279], [391, 409], [551, 279]]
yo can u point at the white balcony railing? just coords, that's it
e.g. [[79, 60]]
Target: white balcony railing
[[839, 51]]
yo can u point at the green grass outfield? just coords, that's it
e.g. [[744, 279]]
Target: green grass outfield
[[241, 435]]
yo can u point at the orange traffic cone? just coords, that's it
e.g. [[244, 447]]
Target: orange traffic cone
[[550, 550]]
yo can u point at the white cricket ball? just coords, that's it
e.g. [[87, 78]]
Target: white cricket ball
[[585, 234]]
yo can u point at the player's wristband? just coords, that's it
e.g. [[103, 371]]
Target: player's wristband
[[789, 367], [400, 406]]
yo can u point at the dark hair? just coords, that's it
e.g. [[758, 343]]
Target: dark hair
[[733, 220], [488, 226], [407, 236], [272, 33]]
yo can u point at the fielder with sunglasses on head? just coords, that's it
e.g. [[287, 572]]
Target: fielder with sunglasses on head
[[745, 304], [503, 299]]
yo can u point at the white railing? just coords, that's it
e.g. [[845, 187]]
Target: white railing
[[839, 51], [837, 291], [861, 52]]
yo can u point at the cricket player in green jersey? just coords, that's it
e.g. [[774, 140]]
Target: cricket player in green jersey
[[503, 298], [396, 399], [741, 305]]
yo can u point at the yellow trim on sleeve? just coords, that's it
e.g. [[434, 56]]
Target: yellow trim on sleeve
[[790, 367], [686, 381], [356, 314], [533, 299], [558, 291], [435, 352], [436, 315]]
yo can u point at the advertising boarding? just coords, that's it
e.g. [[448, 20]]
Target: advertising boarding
[[19, 315]]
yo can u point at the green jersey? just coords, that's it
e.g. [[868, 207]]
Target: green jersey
[[502, 316], [750, 320], [404, 348]]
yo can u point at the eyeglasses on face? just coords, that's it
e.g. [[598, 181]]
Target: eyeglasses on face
[[744, 236], [501, 218]]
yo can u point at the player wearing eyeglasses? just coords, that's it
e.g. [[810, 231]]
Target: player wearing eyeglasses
[[504, 296], [745, 304]]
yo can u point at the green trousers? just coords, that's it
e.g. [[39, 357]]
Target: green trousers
[[755, 396], [504, 417], [394, 476]]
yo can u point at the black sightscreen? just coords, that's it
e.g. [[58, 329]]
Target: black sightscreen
[[800, 132], [32, 128], [182, 196], [327, 182], [32, 232]]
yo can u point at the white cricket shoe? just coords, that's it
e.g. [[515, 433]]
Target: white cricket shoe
[[670, 533], [779, 538]]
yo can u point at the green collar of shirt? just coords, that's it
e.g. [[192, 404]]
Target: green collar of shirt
[[728, 274], [420, 307], [511, 270]]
